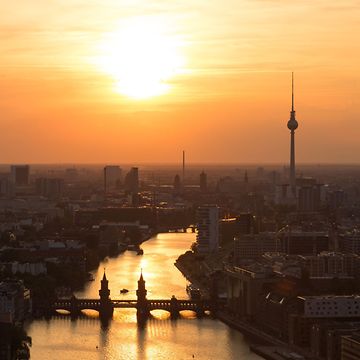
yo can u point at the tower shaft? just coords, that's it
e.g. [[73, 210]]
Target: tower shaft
[[292, 126], [292, 162]]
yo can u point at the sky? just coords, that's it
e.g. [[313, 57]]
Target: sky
[[136, 81]]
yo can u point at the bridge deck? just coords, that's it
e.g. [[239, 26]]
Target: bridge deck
[[181, 304]]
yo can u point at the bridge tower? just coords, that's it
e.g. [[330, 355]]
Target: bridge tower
[[74, 309], [106, 307], [174, 307], [142, 302]]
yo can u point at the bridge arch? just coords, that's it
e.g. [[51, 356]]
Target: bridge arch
[[90, 312], [188, 314], [61, 311], [160, 314]]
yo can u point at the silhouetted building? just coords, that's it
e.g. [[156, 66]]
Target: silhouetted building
[[177, 184], [284, 195], [246, 177], [15, 302], [208, 228], [132, 180], [331, 264], [309, 198], [6, 185], [71, 174], [112, 177], [49, 187], [20, 174], [304, 243], [244, 289], [336, 199], [203, 182], [326, 338], [243, 224], [254, 245]]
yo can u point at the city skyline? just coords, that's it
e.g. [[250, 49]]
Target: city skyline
[[157, 199], [223, 95]]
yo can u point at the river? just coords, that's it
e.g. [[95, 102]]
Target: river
[[161, 338]]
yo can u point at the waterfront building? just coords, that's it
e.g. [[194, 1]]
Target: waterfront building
[[112, 177], [208, 229], [350, 347], [15, 302], [275, 307], [245, 286], [20, 174], [332, 306], [325, 342]]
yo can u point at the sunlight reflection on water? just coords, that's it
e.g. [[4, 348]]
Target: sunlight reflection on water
[[124, 339]]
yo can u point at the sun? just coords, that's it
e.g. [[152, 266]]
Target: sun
[[142, 56]]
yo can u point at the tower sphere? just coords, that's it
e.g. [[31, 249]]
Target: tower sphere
[[292, 124]]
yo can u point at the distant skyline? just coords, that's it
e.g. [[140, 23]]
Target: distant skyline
[[134, 82]]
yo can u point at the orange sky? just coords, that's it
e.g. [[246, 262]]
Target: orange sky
[[227, 100]]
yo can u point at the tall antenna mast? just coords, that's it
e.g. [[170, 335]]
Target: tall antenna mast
[[292, 91]]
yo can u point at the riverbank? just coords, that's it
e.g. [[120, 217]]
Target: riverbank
[[196, 270]]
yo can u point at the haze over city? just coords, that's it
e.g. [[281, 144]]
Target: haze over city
[[179, 180], [210, 77]]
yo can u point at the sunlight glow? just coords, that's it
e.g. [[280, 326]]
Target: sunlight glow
[[142, 56]]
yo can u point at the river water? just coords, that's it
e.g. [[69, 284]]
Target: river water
[[161, 338]]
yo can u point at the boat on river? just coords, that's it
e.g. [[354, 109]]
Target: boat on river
[[124, 291]]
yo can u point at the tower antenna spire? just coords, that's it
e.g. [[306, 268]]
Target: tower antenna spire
[[292, 91]]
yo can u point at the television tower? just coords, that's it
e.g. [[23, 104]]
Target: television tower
[[292, 126]]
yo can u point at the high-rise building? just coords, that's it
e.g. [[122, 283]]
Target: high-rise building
[[112, 177], [20, 174], [49, 187], [309, 194], [208, 228], [6, 185], [177, 184], [132, 180], [292, 126], [203, 182]]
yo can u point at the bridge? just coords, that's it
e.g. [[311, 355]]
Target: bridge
[[105, 305]]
